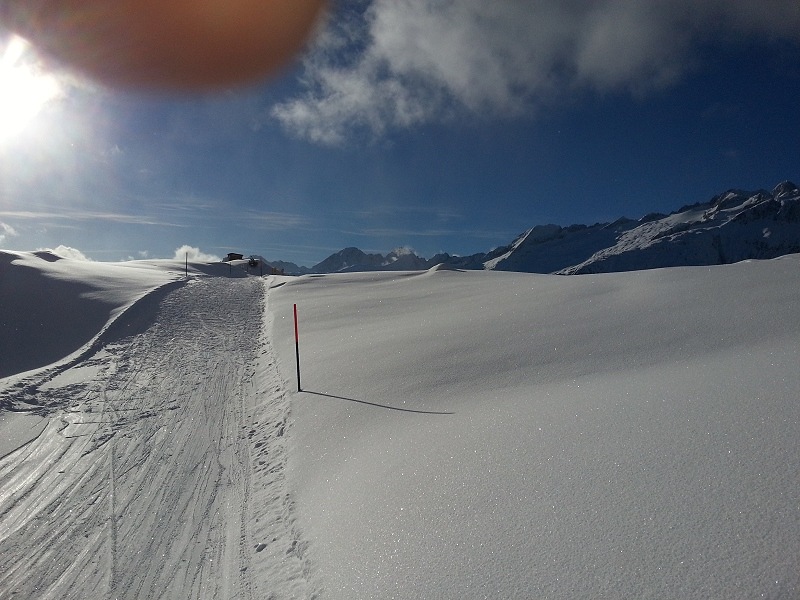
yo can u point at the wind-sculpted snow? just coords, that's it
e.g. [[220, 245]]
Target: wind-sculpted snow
[[160, 471]]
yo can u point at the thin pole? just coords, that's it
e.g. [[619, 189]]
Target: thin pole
[[297, 348], [187, 265]]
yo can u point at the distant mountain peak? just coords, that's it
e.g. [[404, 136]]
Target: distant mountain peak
[[785, 189]]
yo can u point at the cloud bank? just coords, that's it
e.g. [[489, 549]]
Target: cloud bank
[[194, 254], [392, 64]]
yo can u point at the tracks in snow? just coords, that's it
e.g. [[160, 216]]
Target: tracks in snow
[[161, 472]]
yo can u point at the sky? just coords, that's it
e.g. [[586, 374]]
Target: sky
[[439, 125]]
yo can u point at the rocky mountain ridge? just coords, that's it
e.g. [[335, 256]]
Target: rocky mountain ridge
[[733, 226]]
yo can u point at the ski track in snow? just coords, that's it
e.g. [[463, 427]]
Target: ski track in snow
[[160, 473]]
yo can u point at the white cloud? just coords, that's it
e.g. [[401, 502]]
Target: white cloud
[[6, 231], [194, 254], [399, 63], [68, 252]]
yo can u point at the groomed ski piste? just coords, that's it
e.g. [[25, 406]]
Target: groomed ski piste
[[458, 434]]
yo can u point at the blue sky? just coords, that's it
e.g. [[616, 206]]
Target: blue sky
[[438, 125]]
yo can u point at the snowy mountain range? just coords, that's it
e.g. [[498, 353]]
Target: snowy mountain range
[[733, 226]]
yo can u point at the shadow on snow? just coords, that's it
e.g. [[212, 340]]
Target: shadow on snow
[[411, 410]]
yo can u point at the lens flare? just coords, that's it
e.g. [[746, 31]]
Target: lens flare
[[25, 88]]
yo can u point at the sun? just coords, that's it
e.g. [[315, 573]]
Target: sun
[[25, 88]]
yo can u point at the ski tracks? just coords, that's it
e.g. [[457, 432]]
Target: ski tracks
[[164, 475]]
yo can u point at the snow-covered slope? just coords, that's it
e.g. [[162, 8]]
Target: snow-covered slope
[[459, 435], [550, 248], [52, 306], [481, 434], [152, 463]]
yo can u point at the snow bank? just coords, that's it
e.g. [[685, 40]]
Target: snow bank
[[484, 434]]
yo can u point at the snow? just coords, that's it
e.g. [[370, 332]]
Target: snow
[[458, 434], [53, 306], [624, 436], [158, 472]]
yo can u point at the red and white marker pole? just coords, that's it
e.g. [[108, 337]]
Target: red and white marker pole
[[297, 348]]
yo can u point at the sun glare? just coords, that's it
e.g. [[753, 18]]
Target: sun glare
[[24, 88]]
